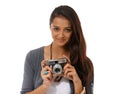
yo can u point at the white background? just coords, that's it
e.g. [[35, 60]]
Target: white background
[[24, 25]]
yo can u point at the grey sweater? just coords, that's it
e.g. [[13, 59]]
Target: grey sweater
[[32, 77]]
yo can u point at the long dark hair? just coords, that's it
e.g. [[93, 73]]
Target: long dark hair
[[76, 44]]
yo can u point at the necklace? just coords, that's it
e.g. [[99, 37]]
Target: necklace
[[51, 50], [56, 78]]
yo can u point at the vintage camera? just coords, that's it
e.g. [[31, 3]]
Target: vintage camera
[[57, 65]]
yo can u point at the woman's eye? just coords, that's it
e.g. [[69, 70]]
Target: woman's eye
[[68, 30], [56, 29]]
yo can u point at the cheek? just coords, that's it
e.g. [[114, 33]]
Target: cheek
[[53, 34], [69, 36]]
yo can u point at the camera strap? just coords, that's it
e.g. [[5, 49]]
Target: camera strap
[[59, 77], [51, 50]]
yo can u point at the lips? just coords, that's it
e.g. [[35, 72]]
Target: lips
[[61, 40]]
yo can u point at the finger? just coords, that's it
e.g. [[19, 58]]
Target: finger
[[67, 71], [49, 76], [67, 66], [69, 75], [57, 78], [67, 58], [45, 74], [47, 68], [43, 63]]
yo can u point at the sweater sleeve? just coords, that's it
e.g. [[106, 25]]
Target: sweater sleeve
[[28, 77], [89, 88]]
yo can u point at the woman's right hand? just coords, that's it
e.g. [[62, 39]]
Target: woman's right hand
[[46, 74]]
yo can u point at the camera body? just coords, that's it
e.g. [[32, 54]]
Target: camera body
[[57, 65]]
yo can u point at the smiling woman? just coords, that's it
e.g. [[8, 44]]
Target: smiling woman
[[68, 45], [61, 30]]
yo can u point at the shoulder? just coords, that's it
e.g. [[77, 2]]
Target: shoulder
[[33, 57], [35, 54], [47, 52], [36, 51]]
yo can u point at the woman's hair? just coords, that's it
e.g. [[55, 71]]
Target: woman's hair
[[76, 44]]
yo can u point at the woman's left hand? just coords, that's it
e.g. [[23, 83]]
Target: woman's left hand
[[71, 73]]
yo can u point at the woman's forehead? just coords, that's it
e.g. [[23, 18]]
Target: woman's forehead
[[60, 21]]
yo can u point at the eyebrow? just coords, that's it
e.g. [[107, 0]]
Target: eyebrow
[[58, 26]]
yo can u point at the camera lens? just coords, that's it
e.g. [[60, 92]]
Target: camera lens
[[57, 69]]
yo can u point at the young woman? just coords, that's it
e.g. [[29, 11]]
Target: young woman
[[69, 43]]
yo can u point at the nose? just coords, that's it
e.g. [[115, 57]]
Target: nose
[[61, 34]]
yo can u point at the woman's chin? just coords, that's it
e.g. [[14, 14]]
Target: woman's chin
[[61, 44]]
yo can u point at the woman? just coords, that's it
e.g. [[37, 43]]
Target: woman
[[68, 43]]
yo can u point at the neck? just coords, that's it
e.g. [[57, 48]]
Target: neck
[[58, 51]]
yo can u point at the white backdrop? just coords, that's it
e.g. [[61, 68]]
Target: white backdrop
[[24, 25]]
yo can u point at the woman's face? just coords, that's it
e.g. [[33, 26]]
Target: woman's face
[[61, 30]]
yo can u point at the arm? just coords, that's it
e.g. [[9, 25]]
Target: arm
[[71, 74], [47, 79], [78, 88], [84, 90], [89, 88], [29, 72], [28, 82], [38, 90]]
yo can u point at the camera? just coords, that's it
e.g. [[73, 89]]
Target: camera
[[57, 65]]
